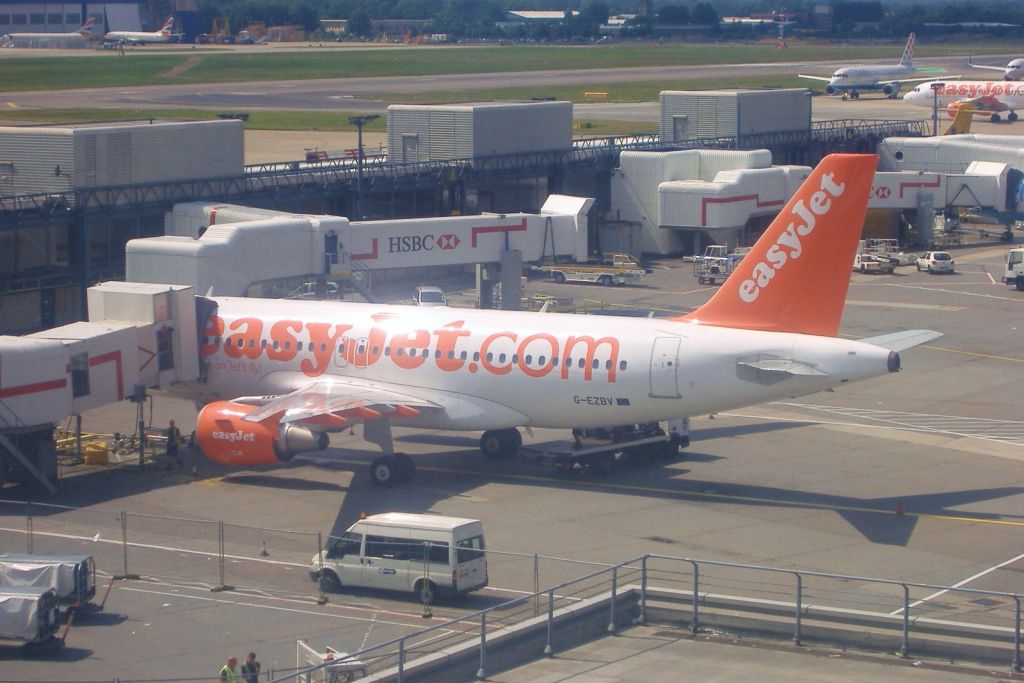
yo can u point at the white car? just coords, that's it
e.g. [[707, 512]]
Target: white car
[[427, 295], [936, 262]]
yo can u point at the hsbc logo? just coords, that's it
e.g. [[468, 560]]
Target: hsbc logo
[[448, 241], [414, 243], [882, 192]]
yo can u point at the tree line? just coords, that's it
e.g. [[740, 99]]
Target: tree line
[[478, 19]]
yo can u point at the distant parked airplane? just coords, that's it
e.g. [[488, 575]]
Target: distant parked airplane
[[164, 35], [853, 79], [1011, 72], [990, 98], [15, 39]]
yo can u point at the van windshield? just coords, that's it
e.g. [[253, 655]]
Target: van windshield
[[348, 544], [470, 549]]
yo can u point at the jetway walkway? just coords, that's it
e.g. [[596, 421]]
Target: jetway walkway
[[138, 336], [233, 250]]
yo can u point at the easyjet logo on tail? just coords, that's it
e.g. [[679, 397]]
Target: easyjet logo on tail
[[788, 245]]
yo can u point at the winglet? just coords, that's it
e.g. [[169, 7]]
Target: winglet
[[796, 277]]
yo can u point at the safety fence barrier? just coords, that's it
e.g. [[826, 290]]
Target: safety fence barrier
[[220, 555]]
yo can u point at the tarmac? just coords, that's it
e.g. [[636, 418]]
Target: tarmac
[[815, 484]]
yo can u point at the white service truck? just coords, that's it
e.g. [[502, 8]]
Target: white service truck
[[1014, 274]]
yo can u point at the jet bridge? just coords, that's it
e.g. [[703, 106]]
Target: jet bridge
[[137, 336], [230, 249]]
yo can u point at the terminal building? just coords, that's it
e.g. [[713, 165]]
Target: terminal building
[[720, 166]]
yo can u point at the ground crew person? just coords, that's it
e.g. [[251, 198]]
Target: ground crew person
[[229, 672], [173, 440]]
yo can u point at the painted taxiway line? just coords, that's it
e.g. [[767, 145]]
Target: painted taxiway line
[[963, 583]]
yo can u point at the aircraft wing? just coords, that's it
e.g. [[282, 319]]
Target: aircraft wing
[[340, 400], [987, 67], [815, 78], [985, 104], [898, 341], [913, 80]]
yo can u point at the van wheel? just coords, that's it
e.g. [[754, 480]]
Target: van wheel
[[425, 591], [559, 277], [329, 582], [607, 280]]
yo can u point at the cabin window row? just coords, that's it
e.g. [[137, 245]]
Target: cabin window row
[[491, 357]]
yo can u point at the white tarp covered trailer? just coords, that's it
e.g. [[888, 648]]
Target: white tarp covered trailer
[[28, 614], [73, 577]]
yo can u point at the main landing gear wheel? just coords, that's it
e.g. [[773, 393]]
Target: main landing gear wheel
[[501, 443], [392, 470], [1012, 116]]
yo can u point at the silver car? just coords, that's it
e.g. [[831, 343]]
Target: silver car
[[936, 262]]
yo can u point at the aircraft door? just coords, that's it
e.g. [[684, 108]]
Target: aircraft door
[[665, 367]]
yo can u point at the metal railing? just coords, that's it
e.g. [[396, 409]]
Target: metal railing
[[277, 562], [478, 628]]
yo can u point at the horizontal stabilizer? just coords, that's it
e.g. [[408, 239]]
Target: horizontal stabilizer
[[897, 341], [783, 366], [768, 371]]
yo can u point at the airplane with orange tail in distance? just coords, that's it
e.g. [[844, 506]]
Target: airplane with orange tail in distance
[[991, 99], [164, 35], [280, 375]]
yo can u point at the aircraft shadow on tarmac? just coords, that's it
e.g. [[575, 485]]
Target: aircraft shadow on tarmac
[[64, 654], [889, 520]]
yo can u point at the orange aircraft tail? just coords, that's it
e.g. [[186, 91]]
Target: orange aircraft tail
[[795, 278]]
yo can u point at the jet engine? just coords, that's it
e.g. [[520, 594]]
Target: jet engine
[[224, 436], [829, 90], [891, 90]]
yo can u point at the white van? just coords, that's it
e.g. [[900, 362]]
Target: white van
[[427, 555]]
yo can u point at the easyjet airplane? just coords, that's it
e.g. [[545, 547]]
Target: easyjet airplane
[[281, 374], [164, 35], [991, 99]]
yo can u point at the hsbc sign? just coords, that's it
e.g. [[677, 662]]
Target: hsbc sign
[[414, 243]]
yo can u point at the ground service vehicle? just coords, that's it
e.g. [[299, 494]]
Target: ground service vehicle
[[869, 263], [1014, 274], [30, 614], [427, 555], [936, 262], [73, 577], [427, 295], [600, 450], [616, 269]]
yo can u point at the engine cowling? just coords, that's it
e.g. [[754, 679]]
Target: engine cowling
[[224, 436], [891, 89], [829, 90]]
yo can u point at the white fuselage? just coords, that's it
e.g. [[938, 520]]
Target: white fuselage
[[1010, 94], [137, 37], [497, 369], [868, 77]]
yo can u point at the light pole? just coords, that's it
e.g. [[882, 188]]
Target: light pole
[[935, 106], [359, 122]]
